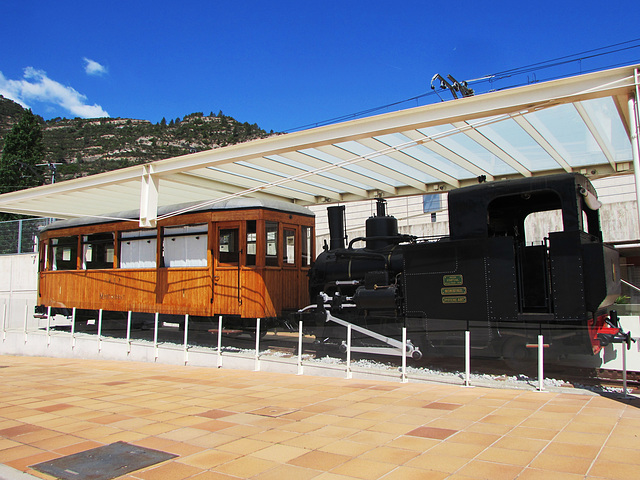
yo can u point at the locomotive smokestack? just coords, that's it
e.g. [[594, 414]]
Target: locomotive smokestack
[[381, 207], [336, 227]]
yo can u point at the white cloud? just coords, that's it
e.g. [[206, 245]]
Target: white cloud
[[94, 68], [36, 86]]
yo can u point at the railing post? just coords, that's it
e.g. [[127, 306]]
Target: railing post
[[540, 363], [300, 369], [4, 321], [99, 330], [73, 328], [128, 339], [404, 355], [257, 359], [48, 325], [219, 363], [186, 335], [349, 373], [155, 336], [26, 313], [467, 358], [624, 368]]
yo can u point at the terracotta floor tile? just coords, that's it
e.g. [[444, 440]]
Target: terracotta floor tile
[[21, 451], [169, 471], [208, 475], [415, 444], [588, 452], [183, 434], [440, 463], [214, 425], [319, 460], [432, 432], [533, 433], [24, 462], [581, 438], [274, 436], [14, 432], [536, 474], [79, 446], [521, 443], [453, 449], [560, 463], [614, 470], [287, 472], [309, 441], [280, 453], [208, 459], [362, 468], [409, 473], [490, 470], [244, 446], [509, 456], [345, 447], [387, 454], [245, 467], [473, 438]]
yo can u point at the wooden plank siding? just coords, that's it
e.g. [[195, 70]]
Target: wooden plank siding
[[249, 291]]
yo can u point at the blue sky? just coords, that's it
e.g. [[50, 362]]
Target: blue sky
[[284, 64]]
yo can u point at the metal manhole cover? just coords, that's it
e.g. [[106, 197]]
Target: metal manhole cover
[[103, 463], [272, 411]]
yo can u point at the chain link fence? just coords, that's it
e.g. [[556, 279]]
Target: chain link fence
[[19, 236]]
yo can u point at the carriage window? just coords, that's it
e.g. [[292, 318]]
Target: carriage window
[[272, 244], [289, 246], [64, 253], [185, 246], [306, 246], [138, 249], [228, 245], [251, 242], [97, 251]]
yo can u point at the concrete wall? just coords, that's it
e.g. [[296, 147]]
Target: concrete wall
[[18, 289]]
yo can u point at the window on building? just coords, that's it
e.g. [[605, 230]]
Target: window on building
[[138, 249], [185, 246], [289, 246], [306, 246], [252, 242], [97, 251], [272, 243], [64, 253]]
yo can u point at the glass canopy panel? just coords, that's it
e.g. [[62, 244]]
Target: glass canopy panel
[[604, 114], [464, 146], [521, 146], [277, 173], [429, 157], [567, 133], [312, 152]]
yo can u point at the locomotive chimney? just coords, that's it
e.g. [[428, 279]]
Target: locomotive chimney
[[381, 207], [336, 227]]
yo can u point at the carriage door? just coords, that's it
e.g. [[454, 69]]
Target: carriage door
[[227, 279]]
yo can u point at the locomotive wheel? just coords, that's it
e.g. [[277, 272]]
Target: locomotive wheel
[[516, 354]]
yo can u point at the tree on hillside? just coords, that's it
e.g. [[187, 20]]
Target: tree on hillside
[[23, 151]]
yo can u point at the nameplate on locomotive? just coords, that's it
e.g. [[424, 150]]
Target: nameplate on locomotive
[[454, 299], [452, 280], [453, 291]]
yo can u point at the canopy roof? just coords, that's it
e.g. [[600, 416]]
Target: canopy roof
[[577, 124]]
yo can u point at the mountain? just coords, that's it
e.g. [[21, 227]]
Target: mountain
[[87, 146]]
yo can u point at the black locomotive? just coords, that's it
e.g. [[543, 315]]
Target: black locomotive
[[483, 277]]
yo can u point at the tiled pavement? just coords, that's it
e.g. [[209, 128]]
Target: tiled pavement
[[229, 424]]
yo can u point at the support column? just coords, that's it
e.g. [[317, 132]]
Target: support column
[[149, 197], [634, 134]]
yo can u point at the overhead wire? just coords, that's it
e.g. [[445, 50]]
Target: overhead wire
[[501, 75]]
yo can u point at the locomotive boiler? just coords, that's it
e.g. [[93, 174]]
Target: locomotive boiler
[[484, 277]]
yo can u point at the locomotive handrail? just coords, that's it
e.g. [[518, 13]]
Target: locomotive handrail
[[400, 238]]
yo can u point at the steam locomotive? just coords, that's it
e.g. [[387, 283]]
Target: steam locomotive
[[483, 278]]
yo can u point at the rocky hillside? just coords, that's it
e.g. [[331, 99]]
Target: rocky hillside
[[87, 146]]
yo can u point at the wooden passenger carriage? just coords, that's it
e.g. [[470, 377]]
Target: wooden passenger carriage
[[242, 258]]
